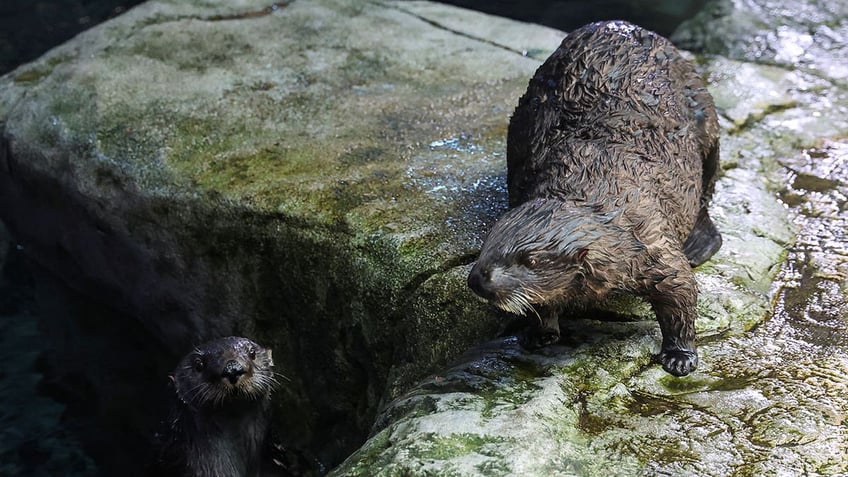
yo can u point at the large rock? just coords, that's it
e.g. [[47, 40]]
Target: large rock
[[314, 175], [764, 402], [808, 35]]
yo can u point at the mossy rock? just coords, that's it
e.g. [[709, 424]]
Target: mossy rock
[[314, 175]]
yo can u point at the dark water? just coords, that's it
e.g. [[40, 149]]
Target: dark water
[[70, 403], [33, 439]]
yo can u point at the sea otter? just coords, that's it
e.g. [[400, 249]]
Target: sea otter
[[612, 155], [220, 420]]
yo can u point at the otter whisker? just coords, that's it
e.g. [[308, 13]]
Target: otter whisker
[[518, 303], [538, 317], [281, 375], [267, 380], [515, 303], [536, 295], [192, 393]]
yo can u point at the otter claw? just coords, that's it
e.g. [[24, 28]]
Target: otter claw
[[679, 362], [533, 339]]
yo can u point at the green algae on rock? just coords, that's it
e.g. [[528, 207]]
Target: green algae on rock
[[581, 409], [310, 174]]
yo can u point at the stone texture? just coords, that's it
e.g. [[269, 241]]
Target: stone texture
[[594, 405], [308, 174], [319, 176], [808, 35]]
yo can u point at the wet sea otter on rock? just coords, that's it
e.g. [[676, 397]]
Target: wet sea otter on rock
[[612, 156]]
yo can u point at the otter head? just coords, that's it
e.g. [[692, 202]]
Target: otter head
[[224, 371], [539, 253]]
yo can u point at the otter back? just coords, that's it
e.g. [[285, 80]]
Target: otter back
[[616, 114]]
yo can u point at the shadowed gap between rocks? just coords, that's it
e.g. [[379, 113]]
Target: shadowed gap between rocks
[[335, 375]]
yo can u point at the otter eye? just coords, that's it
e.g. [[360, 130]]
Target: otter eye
[[529, 261], [198, 364], [251, 354]]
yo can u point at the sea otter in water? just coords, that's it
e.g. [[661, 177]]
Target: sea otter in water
[[220, 421], [612, 156]]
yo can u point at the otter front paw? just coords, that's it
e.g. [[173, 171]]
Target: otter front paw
[[535, 338], [679, 362]]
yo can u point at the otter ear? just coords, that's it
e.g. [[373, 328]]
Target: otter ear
[[581, 254]]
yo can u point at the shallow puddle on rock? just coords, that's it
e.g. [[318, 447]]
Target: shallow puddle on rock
[[773, 401], [812, 296], [798, 359]]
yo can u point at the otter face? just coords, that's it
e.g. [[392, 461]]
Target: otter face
[[224, 370], [535, 255]]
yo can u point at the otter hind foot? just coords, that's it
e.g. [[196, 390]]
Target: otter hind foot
[[703, 241], [678, 362]]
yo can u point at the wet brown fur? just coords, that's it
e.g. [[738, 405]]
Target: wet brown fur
[[220, 420], [612, 155]]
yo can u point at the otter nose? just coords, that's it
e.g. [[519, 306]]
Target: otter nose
[[478, 280], [233, 371]]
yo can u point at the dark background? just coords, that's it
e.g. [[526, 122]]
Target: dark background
[[29, 28]]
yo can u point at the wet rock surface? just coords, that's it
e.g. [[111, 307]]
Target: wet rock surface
[[767, 401], [275, 171], [808, 35]]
